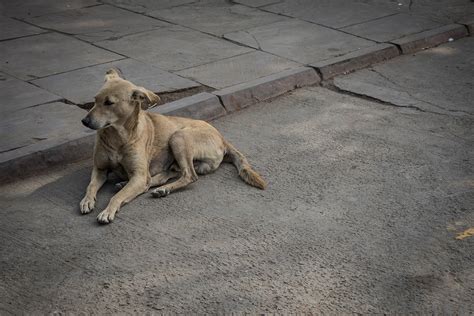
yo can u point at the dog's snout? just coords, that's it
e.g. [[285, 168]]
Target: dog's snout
[[86, 121]]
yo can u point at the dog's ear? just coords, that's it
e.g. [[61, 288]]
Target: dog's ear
[[112, 74], [144, 97]]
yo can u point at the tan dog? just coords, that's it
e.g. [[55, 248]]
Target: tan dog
[[149, 149]]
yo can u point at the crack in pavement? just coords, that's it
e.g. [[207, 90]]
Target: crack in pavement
[[255, 39], [403, 89], [335, 88]]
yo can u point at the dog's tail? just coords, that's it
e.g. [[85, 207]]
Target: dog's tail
[[243, 167]]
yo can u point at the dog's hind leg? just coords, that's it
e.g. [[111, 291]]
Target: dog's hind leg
[[206, 167], [163, 177], [180, 146], [156, 180]]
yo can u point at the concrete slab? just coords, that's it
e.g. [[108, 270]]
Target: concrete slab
[[32, 8], [242, 95], [392, 27], [10, 28], [201, 106], [336, 13], [235, 70], [299, 41], [416, 42], [433, 80], [97, 23], [142, 6], [355, 60], [36, 124], [80, 86], [174, 47], [47, 54], [216, 17], [16, 94]]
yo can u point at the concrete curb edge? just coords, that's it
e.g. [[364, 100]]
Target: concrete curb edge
[[242, 95], [355, 60], [420, 41]]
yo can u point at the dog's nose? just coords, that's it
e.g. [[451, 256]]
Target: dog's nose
[[86, 121]]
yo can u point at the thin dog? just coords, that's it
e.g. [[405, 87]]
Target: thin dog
[[149, 149]]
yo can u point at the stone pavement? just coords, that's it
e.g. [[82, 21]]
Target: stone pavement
[[53, 54], [365, 200]]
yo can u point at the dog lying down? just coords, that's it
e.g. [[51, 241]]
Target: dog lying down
[[149, 149]]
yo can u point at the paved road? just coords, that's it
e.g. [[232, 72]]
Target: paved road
[[364, 203]]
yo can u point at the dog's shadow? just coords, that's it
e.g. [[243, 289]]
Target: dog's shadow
[[68, 190]]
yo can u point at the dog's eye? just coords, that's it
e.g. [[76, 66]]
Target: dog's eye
[[108, 102]]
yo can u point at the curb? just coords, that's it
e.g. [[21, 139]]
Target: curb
[[355, 60], [46, 154], [470, 26], [201, 106], [245, 94], [414, 43]]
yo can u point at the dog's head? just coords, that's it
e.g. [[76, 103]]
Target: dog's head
[[116, 101]]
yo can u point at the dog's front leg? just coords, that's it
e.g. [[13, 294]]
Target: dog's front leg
[[98, 178], [137, 185]]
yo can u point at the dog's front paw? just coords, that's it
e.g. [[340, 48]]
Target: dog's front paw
[[106, 216], [160, 192], [87, 204]]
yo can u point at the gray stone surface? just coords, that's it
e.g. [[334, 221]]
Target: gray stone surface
[[427, 39], [31, 8], [299, 41], [10, 28], [239, 69], [356, 60], [256, 3], [242, 95], [444, 11], [217, 17], [80, 86], [36, 124], [336, 13], [392, 27], [47, 54], [97, 23], [143, 6], [437, 80], [16, 94], [201, 106], [174, 47], [360, 216]]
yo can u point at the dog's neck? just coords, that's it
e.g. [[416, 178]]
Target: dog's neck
[[118, 135]]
